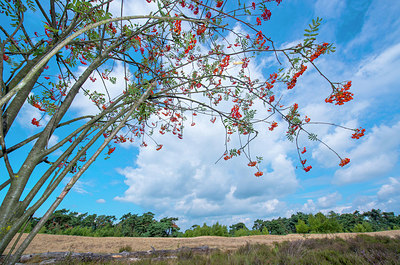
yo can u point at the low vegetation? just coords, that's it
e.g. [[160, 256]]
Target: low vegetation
[[361, 249], [64, 222]]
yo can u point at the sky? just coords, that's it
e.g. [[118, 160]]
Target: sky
[[183, 179]]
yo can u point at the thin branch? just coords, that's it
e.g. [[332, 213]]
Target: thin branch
[[44, 13], [33, 137], [4, 184], [66, 41]]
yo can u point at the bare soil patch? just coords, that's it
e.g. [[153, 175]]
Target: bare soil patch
[[43, 243]]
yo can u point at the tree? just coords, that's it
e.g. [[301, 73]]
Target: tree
[[205, 230], [236, 227], [127, 223], [374, 217], [319, 223], [301, 227], [259, 225], [362, 228], [168, 227], [278, 226], [181, 60]]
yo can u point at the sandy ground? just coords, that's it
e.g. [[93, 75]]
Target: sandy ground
[[54, 243]]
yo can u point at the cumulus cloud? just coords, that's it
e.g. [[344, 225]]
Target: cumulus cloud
[[182, 178], [365, 203], [329, 200], [374, 79], [83, 104], [324, 204], [101, 201], [340, 141], [133, 8], [376, 155], [389, 194], [387, 198], [309, 206], [388, 190]]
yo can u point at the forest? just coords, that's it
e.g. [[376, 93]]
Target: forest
[[66, 222]]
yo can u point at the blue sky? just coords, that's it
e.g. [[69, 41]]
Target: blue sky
[[182, 179]]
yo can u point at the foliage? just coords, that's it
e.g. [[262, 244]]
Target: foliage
[[302, 228], [358, 250], [205, 230], [362, 228], [178, 63], [319, 223], [238, 229], [331, 223], [65, 222]]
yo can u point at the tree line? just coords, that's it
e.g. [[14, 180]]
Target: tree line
[[66, 222]]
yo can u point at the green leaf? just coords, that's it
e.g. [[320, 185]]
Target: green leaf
[[312, 137]]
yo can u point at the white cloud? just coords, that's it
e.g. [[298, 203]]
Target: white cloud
[[374, 85], [389, 194], [101, 201], [340, 141], [84, 105], [376, 155], [80, 186], [271, 206], [325, 204], [373, 65], [379, 70], [380, 15], [133, 8], [182, 178], [329, 200], [365, 203], [329, 8], [27, 113], [53, 140], [309, 207], [387, 198]]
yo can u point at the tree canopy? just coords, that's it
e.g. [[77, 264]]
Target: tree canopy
[[180, 60], [66, 222]]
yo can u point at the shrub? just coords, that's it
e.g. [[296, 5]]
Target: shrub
[[301, 227], [242, 232], [125, 248]]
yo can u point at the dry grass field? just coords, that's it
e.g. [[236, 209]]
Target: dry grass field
[[55, 243]]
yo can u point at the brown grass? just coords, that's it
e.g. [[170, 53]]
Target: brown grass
[[58, 243]]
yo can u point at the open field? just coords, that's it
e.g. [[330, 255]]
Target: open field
[[59, 243]]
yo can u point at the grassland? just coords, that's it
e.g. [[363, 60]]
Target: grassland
[[343, 248]]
